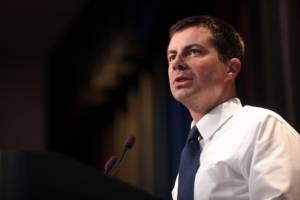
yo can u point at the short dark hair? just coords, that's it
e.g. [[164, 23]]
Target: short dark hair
[[226, 39]]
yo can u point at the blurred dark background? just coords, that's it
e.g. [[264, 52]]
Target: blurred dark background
[[77, 77]]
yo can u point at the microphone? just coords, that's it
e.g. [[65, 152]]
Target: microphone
[[110, 164], [113, 163]]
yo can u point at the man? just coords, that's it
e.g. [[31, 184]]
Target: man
[[243, 152]]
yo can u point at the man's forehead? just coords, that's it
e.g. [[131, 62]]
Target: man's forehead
[[192, 30], [201, 35]]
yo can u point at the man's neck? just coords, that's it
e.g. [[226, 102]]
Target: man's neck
[[198, 112]]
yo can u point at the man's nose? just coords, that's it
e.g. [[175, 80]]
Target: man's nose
[[179, 64]]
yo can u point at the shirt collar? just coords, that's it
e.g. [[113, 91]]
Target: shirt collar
[[216, 117]]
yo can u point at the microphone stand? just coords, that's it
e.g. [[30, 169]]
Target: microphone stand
[[113, 163]]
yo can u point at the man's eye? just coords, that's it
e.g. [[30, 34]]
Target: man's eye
[[195, 52], [171, 58]]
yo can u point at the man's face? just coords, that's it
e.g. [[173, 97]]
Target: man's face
[[195, 71]]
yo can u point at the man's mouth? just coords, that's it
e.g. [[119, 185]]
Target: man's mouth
[[182, 82], [182, 79]]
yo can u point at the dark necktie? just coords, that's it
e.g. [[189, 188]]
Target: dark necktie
[[189, 163]]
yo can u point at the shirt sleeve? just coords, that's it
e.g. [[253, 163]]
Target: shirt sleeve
[[174, 191], [274, 171]]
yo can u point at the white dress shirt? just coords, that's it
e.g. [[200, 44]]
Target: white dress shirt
[[247, 153]]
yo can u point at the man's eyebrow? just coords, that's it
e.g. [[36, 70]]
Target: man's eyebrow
[[189, 46], [171, 51], [193, 45]]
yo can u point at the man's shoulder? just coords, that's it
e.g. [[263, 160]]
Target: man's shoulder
[[251, 116], [259, 113]]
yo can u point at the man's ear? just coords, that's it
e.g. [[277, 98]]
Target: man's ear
[[233, 68]]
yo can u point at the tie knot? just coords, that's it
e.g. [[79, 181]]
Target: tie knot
[[193, 135]]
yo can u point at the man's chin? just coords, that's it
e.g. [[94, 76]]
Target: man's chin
[[182, 96]]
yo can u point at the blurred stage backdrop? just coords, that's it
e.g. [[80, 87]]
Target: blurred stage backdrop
[[78, 76]]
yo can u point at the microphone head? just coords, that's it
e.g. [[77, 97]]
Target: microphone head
[[129, 142], [110, 164]]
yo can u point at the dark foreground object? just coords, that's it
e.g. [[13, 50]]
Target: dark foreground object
[[45, 176]]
